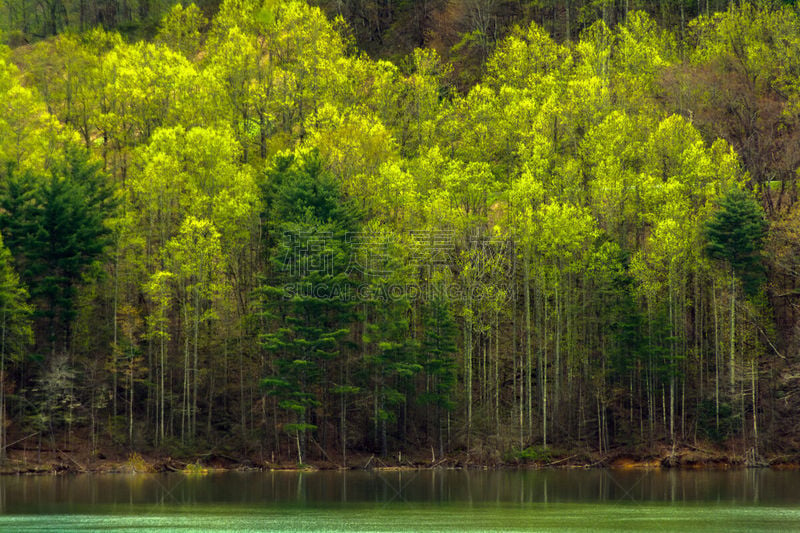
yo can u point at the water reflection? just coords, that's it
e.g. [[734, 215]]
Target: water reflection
[[22, 494]]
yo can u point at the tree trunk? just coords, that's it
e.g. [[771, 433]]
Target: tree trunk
[[528, 341], [733, 336], [163, 389], [343, 429], [468, 372], [542, 369], [716, 353], [114, 349], [671, 367], [497, 374], [753, 382], [195, 366], [3, 388], [130, 402]]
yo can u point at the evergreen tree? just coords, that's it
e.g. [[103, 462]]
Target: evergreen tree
[[389, 347], [391, 360], [736, 234], [55, 226], [306, 297], [437, 356]]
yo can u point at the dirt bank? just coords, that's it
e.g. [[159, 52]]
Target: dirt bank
[[76, 460]]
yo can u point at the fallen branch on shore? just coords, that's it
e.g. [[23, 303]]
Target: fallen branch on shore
[[562, 460], [68, 456]]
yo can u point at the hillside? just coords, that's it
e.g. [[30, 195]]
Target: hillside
[[253, 227]]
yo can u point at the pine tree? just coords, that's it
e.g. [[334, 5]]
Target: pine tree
[[305, 298], [390, 358], [736, 234], [437, 356], [55, 227]]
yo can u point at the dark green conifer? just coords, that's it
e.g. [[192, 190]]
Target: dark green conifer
[[437, 357], [55, 227], [306, 298], [735, 235]]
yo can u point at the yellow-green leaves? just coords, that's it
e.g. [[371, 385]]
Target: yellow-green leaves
[[278, 63], [594, 52], [159, 291], [197, 172], [148, 86], [395, 195], [29, 135], [642, 52], [526, 60], [352, 145], [743, 39], [181, 27], [563, 234], [194, 255]]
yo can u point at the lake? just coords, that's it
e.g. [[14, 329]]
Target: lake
[[445, 500]]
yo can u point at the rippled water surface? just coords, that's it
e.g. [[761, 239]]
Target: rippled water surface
[[566, 500]]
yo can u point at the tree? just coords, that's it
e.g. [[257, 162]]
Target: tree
[[194, 255], [56, 228], [15, 331], [740, 84], [28, 132], [389, 346], [305, 298], [158, 290], [180, 29], [148, 86], [437, 357], [641, 52], [353, 148], [735, 235], [277, 62]]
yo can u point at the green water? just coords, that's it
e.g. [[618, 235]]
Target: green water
[[574, 500]]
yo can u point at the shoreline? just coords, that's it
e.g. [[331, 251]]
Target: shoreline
[[55, 462]]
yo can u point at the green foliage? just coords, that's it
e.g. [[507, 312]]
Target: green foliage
[[437, 352], [736, 234], [15, 313], [56, 226], [181, 29], [306, 298], [534, 454], [297, 189], [626, 321], [298, 428], [509, 238], [716, 423]]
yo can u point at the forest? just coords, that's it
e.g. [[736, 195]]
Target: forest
[[304, 230]]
